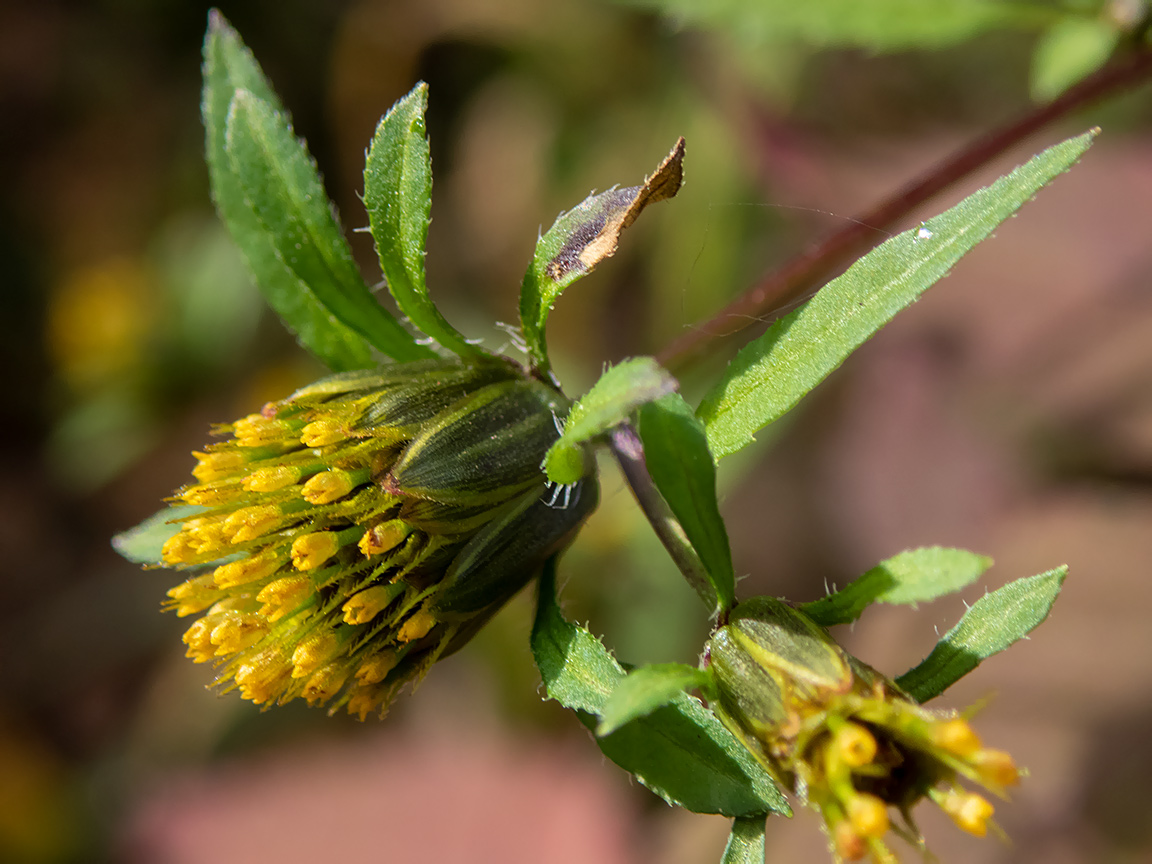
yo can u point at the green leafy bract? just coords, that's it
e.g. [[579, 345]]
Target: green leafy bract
[[142, 544], [770, 375], [270, 197], [579, 240], [914, 576], [680, 751], [993, 623], [676, 453], [620, 391], [398, 195], [646, 689]]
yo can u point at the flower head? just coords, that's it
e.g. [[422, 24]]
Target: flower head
[[366, 526], [843, 737]]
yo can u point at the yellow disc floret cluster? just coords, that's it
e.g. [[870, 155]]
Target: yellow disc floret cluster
[[352, 534], [844, 738]]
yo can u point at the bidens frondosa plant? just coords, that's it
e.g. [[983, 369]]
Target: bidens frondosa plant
[[843, 737], [338, 542]]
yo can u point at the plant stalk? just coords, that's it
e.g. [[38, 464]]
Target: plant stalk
[[767, 300], [629, 451]]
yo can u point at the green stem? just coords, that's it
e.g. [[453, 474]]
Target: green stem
[[629, 452]]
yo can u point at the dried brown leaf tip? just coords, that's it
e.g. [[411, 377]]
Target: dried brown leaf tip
[[609, 214]]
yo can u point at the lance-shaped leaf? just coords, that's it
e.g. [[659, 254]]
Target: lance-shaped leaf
[[770, 375], [680, 751], [993, 623], [142, 544], [340, 341], [620, 391], [914, 576], [646, 689], [746, 842], [676, 453], [398, 195], [582, 238]]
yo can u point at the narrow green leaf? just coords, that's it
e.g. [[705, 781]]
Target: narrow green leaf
[[646, 689], [229, 67], [283, 190], [993, 623], [620, 391], [680, 751], [676, 453], [143, 543], [398, 195], [878, 25], [746, 842], [914, 576], [579, 240], [1069, 50], [770, 375]]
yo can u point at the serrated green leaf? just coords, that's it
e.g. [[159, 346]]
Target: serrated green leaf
[[913, 576], [283, 190], [746, 842], [993, 623], [878, 25], [771, 374], [676, 453], [142, 544], [579, 240], [620, 391], [680, 751], [646, 689], [229, 67], [398, 195], [1069, 50]]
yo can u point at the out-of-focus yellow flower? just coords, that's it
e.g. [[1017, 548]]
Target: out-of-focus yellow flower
[[366, 526], [843, 737]]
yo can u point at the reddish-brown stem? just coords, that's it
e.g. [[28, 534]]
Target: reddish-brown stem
[[822, 260]]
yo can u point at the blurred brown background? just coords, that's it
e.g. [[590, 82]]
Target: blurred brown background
[[1010, 411]]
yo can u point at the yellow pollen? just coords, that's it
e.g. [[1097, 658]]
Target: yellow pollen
[[996, 768], [251, 522], [365, 605], [325, 683], [198, 638], [194, 595], [313, 652], [855, 745], [255, 430], [376, 668], [309, 551], [957, 737], [849, 845], [383, 537], [328, 487], [283, 596], [271, 479], [319, 433], [263, 677], [363, 702], [217, 465], [969, 811], [207, 536], [249, 570], [179, 549], [236, 633], [212, 494], [868, 815], [417, 626]]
